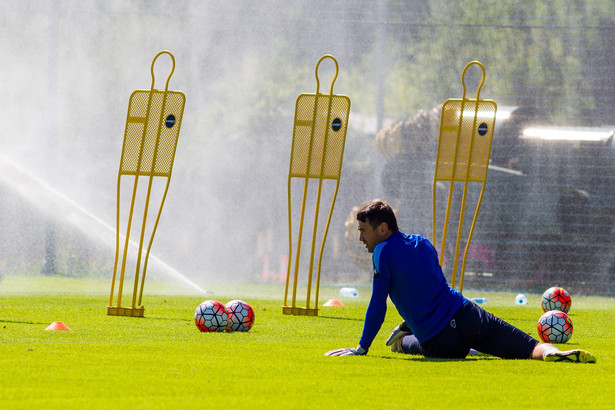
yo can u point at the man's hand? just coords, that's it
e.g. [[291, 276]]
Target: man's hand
[[400, 331], [349, 351]]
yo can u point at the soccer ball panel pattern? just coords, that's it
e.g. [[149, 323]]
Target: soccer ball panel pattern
[[240, 316], [554, 326], [211, 316], [556, 298]]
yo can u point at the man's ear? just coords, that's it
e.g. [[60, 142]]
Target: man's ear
[[383, 228]]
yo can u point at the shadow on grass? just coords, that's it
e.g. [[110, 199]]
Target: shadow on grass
[[342, 318], [167, 318], [418, 358], [24, 322]]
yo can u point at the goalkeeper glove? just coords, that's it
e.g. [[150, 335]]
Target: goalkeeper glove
[[349, 351]]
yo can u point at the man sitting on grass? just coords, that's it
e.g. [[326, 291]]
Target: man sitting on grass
[[438, 320]]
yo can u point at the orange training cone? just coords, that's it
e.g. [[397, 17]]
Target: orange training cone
[[333, 302], [57, 326]]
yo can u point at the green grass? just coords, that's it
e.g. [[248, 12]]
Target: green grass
[[163, 361]]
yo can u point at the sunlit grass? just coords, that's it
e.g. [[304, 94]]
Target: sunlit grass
[[163, 361]]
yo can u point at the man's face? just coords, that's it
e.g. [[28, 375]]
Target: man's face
[[370, 236]]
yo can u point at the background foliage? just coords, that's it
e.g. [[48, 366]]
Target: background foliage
[[69, 68]]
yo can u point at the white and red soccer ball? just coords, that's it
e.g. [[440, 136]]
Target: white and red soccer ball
[[556, 298], [214, 316], [240, 316], [554, 326], [211, 316]]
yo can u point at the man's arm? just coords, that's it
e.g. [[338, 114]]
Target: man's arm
[[376, 311]]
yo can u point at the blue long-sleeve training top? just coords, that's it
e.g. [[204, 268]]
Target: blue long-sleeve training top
[[407, 269]]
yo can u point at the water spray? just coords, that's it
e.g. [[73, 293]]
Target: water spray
[[52, 202]]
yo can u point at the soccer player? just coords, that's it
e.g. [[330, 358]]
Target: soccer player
[[438, 320]]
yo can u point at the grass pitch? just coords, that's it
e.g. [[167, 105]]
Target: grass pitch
[[163, 361]]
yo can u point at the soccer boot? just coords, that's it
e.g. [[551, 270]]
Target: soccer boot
[[397, 334], [574, 356], [396, 344]]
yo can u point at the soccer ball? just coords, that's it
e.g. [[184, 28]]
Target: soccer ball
[[211, 316], [240, 316], [555, 326], [556, 298]]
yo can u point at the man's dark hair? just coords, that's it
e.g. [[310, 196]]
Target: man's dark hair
[[378, 212]]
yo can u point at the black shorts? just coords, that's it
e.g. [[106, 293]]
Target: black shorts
[[473, 327]]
